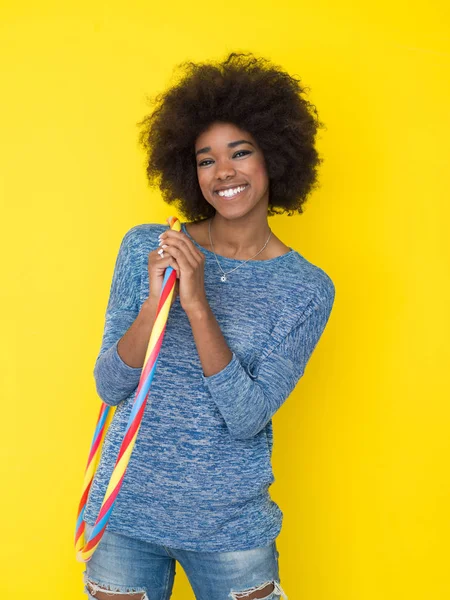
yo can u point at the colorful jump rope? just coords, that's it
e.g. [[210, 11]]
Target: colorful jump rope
[[84, 551]]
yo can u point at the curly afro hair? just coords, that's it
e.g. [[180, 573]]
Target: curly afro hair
[[252, 94]]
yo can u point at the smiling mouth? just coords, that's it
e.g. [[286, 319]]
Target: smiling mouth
[[232, 193]]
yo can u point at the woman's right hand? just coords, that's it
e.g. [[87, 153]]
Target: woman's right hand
[[156, 269]]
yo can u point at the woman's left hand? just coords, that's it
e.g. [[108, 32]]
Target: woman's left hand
[[189, 267]]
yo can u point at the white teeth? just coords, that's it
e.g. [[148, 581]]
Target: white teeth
[[232, 192]]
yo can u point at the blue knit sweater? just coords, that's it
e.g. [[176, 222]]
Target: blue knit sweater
[[200, 471]]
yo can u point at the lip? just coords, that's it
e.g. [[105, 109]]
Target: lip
[[222, 188]]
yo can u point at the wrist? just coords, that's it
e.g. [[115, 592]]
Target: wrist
[[200, 311], [149, 307]]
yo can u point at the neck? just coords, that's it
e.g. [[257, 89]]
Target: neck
[[236, 238]]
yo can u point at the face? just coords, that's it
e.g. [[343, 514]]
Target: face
[[231, 170]]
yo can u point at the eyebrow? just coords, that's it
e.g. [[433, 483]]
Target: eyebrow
[[230, 145]]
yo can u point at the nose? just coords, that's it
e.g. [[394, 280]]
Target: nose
[[224, 170]]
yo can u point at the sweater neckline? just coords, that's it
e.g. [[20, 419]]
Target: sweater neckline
[[235, 260]]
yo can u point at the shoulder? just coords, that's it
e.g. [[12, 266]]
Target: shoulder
[[137, 242], [143, 238], [145, 233], [309, 288], [311, 283]]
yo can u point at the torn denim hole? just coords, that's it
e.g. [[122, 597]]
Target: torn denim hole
[[110, 590], [277, 591]]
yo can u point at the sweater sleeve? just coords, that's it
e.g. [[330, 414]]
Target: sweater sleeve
[[247, 402], [114, 379]]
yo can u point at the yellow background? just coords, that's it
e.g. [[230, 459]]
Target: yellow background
[[362, 447]]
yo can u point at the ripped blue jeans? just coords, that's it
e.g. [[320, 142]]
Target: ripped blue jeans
[[123, 565]]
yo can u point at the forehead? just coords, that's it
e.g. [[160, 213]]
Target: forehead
[[220, 134]]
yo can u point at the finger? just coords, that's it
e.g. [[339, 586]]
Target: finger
[[181, 255], [167, 260], [181, 240]]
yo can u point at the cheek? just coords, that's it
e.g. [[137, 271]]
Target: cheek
[[202, 179], [204, 184], [260, 174]]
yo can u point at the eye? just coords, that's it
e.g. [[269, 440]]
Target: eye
[[244, 152]]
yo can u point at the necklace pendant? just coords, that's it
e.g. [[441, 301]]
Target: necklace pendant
[[223, 278]]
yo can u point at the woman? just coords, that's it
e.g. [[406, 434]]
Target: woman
[[230, 144]]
